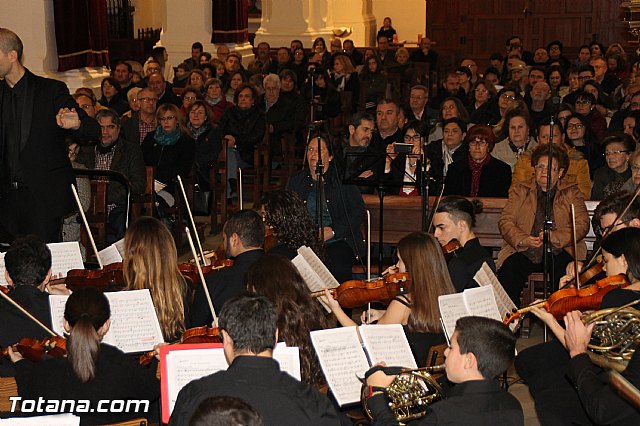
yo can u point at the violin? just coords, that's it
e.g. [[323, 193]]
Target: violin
[[109, 278], [190, 270], [571, 299], [354, 293], [451, 249], [193, 335], [34, 350]]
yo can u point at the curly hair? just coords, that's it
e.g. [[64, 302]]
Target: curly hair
[[287, 215], [275, 278]]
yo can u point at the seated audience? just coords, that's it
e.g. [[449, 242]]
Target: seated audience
[[578, 135], [481, 349], [110, 98], [249, 331], [520, 137], [442, 153], [480, 174], [453, 221], [208, 140], [216, 101], [634, 164], [611, 177], [404, 171], [522, 220]]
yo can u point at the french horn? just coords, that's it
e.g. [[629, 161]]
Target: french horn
[[410, 393]]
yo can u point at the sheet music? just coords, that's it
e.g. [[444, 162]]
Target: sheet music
[[184, 366], [110, 255], [134, 324], [478, 301], [320, 269], [66, 419], [313, 272], [119, 245], [289, 359], [158, 186], [484, 277], [342, 360], [388, 343], [64, 257]]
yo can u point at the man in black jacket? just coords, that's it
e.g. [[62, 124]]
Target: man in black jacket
[[480, 350], [35, 173]]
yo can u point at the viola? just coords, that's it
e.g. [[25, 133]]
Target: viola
[[571, 299], [193, 335], [354, 293], [590, 273], [451, 249], [34, 350], [190, 270], [109, 278]]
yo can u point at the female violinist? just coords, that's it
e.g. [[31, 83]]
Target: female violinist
[[92, 370], [275, 277], [421, 256], [292, 226], [151, 261]]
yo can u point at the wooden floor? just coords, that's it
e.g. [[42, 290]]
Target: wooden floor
[[518, 389]]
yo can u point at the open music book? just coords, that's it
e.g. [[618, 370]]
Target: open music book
[[181, 364], [314, 273], [344, 359], [64, 257], [477, 301], [134, 324], [486, 277]]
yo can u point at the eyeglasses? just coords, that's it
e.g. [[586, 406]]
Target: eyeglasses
[[415, 138], [479, 142], [635, 104], [585, 77], [416, 98], [543, 168], [635, 169], [583, 102], [508, 97], [578, 126], [167, 118], [190, 98], [148, 99], [481, 90], [617, 152]]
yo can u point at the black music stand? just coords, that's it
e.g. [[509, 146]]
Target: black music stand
[[356, 163]]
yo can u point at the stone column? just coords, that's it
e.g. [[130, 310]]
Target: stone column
[[185, 23], [33, 21]]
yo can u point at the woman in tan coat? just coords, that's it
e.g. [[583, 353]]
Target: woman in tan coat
[[522, 221]]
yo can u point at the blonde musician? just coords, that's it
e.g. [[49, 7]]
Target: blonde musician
[[421, 256], [151, 261], [481, 349]]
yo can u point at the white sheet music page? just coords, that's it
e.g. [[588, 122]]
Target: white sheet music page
[[64, 257], [3, 279], [134, 324], [486, 277], [342, 360], [320, 269], [388, 343], [481, 302], [183, 366], [452, 307], [110, 255]]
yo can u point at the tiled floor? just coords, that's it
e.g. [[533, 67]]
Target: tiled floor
[[518, 389]]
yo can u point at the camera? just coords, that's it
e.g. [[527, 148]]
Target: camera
[[402, 148]]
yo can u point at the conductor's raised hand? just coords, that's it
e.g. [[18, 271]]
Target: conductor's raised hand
[[68, 119]]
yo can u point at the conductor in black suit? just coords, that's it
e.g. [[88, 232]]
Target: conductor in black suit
[[35, 172]]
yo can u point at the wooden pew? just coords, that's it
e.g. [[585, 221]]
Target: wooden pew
[[402, 215]]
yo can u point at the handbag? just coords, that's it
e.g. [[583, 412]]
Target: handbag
[[201, 202]]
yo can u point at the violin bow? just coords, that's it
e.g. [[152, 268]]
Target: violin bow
[[28, 314], [86, 225], [193, 223], [574, 240], [613, 225], [434, 208], [204, 282]]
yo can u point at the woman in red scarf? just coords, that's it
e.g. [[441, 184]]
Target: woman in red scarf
[[480, 174]]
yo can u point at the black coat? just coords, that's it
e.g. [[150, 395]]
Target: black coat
[[495, 179], [43, 157], [434, 154], [246, 126], [171, 160]]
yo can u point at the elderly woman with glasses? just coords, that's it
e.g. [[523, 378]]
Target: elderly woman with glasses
[[523, 217], [634, 181], [480, 174], [611, 177]]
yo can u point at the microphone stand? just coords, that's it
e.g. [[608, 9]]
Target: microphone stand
[[425, 178], [320, 189], [547, 272]]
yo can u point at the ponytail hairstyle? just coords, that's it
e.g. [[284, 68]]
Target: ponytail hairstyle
[[86, 311]]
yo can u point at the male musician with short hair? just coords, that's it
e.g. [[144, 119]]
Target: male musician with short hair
[[454, 219], [481, 349], [249, 335], [243, 237], [27, 271]]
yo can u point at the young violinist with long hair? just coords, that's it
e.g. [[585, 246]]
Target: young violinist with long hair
[[544, 367], [421, 256], [151, 261], [92, 370], [275, 277]]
